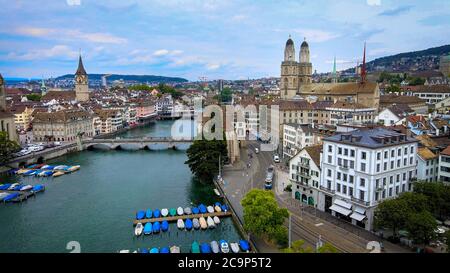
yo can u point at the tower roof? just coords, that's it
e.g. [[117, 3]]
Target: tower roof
[[80, 70], [289, 41], [304, 44]]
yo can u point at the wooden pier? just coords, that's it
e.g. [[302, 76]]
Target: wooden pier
[[184, 216], [23, 195]]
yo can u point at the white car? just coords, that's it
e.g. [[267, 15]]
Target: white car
[[57, 143], [256, 151], [276, 159]]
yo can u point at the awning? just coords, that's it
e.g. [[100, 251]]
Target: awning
[[342, 204], [360, 210], [341, 210], [357, 216]]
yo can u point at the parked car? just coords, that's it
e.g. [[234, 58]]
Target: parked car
[[276, 159], [57, 143], [256, 151]]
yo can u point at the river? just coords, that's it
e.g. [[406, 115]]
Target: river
[[96, 205]]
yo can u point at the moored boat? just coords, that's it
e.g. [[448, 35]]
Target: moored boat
[[174, 249], [11, 187], [203, 223], [22, 171], [173, 211], [187, 211], [215, 247], [180, 224], [26, 188], [74, 168], [165, 226], [195, 223], [195, 210], [148, 229], [234, 247], [148, 214], [144, 250], [140, 215], [29, 173], [138, 229], [5, 186], [217, 209], [156, 213], [216, 220], [17, 188], [58, 173], [10, 197], [216, 191], [195, 248], [180, 211], [164, 212], [210, 222], [38, 188], [202, 208], [60, 167], [210, 209], [224, 208], [3, 195], [38, 172], [245, 246], [188, 224], [164, 250], [224, 246], [205, 248], [154, 250], [156, 227]]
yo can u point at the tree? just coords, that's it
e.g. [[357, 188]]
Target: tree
[[263, 216], [438, 197], [203, 158], [166, 89], [393, 89], [391, 214], [34, 97], [226, 95], [421, 227], [327, 248], [298, 247], [7, 147]]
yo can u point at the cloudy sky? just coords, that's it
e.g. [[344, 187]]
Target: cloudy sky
[[230, 39]]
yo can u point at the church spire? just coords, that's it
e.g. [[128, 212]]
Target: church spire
[[80, 70], [363, 68], [334, 70]]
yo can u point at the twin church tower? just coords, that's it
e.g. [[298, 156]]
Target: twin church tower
[[293, 73]]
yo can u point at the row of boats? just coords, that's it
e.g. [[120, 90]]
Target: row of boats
[[188, 224], [16, 189], [213, 247], [201, 209], [43, 170]]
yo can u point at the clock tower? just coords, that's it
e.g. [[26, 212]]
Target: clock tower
[[81, 83]]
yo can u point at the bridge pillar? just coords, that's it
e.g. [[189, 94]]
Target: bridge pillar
[[79, 142]]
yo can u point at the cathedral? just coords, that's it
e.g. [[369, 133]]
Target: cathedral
[[296, 81]]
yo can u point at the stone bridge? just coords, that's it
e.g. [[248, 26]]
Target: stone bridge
[[148, 143]]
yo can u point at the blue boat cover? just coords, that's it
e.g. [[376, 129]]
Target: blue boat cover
[[217, 204], [188, 224], [156, 227], [154, 250], [205, 248], [144, 250], [37, 188], [195, 210], [202, 208], [224, 207], [164, 250], [148, 214], [165, 226], [148, 228], [140, 215], [10, 197], [245, 246], [156, 213]]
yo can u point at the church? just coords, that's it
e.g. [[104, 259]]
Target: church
[[296, 81]]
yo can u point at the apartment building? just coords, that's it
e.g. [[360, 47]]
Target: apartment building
[[444, 165]]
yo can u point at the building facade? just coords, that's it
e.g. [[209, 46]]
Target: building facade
[[6, 118], [81, 83], [362, 168]]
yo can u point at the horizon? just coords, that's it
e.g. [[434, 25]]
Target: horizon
[[229, 40]]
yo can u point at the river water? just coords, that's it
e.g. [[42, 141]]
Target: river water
[[96, 205]]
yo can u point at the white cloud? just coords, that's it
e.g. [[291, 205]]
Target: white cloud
[[239, 18], [59, 51], [374, 2], [161, 52], [213, 66]]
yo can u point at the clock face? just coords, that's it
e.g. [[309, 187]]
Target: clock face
[[80, 79]]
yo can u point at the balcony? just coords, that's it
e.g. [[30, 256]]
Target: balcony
[[343, 167], [327, 189], [304, 175], [303, 164], [359, 201]]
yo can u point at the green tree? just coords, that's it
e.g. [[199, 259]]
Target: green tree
[[166, 89], [421, 227], [263, 216], [298, 247], [392, 214], [34, 97], [438, 197], [7, 147], [393, 89], [226, 95], [415, 81], [327, 248], [203, 158]]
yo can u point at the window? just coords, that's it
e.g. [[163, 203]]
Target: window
[[329, 159], [412, 149], [346, 152], [362, 182], [390, 191], [361, 195], [399, 152], [385, 155], [378, 167], [352, 153], [329, 173], [350, 191], [392, 164], [378, 156], [406, 151], [363, 155], [399, 163], [350, 179], [363, 167], [344, 189], [405, 161], [330, 148], [339, 151], [385, 166], [328, 184], [392, 153], [338, 187], [338, 175]]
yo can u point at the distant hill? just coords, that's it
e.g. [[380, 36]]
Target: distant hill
[[422, 60], [137, 78]]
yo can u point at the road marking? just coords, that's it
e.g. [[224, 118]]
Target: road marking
[[318, 224]]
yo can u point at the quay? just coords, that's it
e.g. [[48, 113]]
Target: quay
[[175, 218]]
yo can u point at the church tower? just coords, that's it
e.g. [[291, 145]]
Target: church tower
[[289, 81], [305, 65], [81, 83], [2, 94]]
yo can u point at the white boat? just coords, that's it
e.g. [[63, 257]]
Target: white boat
[[210, 209], [60, 167], [13, 186], [217, 208], [187, 210], [210, 222], [195, 223], [216, 191], [180, 211], [203, 223], [74, 168], [224, 247], [164, 212], [138, 230], [234, 247], [174, 249], [216, 220], [45, 167], [124, 251], [214, 247], [180, 224], [26, 188]]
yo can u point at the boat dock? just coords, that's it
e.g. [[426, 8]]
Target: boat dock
[[183, 217], [23, 195]]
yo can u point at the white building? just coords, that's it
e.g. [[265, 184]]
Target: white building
[[444, 166], [394, 115], [350, 113], [362, 168], [432, 94], [304, 174], [297, 137], [427, 165]]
